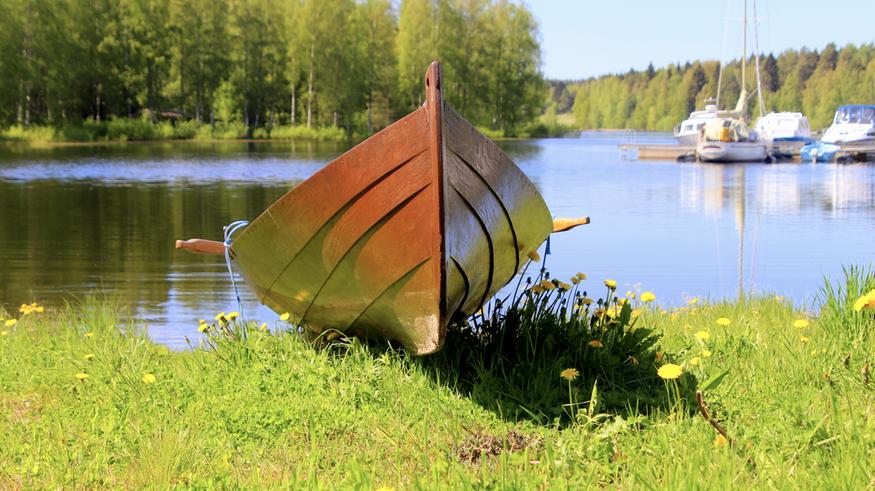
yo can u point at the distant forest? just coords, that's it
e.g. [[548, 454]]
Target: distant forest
[[813, 82], [348, 63]]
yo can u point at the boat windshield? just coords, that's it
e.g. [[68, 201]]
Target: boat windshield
[[855, 115]]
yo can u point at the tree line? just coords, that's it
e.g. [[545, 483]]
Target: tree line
[[811, 81], [356, 64]]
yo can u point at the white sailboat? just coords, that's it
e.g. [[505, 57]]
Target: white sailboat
[[687, 132], [728, 139]]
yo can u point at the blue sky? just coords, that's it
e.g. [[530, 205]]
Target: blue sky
[[583, 38]]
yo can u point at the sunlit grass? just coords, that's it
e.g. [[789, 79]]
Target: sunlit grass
[[274, 409], [129, 129]]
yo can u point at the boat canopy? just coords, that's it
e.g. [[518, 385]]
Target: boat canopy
[[726, 130], [855, 114]]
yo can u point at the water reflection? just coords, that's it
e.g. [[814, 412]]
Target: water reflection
[[74, 220]]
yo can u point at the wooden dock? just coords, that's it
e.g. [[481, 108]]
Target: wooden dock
[[661, 151]]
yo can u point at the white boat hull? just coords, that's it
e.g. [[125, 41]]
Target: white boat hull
[[718, 151], [687, 139]]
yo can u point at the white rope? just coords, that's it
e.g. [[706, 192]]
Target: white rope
[[230, 229]]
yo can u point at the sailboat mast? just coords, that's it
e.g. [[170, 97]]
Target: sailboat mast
[[743, 43], [756, 57]]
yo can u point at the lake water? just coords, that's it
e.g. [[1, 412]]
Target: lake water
[[79, 220]]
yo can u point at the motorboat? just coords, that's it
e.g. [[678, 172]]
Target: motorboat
[[783, 127], [852, 124]]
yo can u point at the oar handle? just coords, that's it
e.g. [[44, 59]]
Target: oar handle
[[202, 246], [563, 224]]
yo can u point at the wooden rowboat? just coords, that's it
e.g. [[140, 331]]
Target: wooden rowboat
[[413, 228]]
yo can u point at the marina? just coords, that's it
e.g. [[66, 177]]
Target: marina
[[778, 151]]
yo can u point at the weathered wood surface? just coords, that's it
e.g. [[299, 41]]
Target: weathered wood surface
[[201, 246]]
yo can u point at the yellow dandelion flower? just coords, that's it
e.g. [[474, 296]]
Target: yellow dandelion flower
[[867, 302], [564, 286], [89, 334], [149, 378], [10, 323], [574, 280], [587, 300], [203, 328], [694, 360], [595, 343], [703, 335], [580, 276], [622, 301], [648, 297], [670, 371], [263, 326], [612, 284], [39, 309], [219, 316], [804, 339], [284, 317], [537, 289], [706, 354], [599, 312], [534, 256], [233, 315], [88, 357], [569, 374], [81, 375], [723, 321], [693, 301], [720, 440], [630, 294], [800, 323], [4, 333], [201, 321], [548, 285]]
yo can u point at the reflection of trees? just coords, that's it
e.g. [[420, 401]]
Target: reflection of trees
[[520, 149], [57, 236]]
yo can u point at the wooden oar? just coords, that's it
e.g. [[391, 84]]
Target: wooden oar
[[202, 246], [563, 224]]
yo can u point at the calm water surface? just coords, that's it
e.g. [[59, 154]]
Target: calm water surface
[[78, 220]]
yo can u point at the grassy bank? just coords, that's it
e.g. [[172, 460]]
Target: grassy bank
[[123, 129], [86, 404]]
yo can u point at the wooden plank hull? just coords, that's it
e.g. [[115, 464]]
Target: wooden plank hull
[[418, 225]]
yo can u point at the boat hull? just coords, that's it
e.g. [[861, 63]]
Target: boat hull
[[413, 228], [718, 151], [819, 152], [687, 139]]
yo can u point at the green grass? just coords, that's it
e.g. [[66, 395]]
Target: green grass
[[125, 129], [490, 411]]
